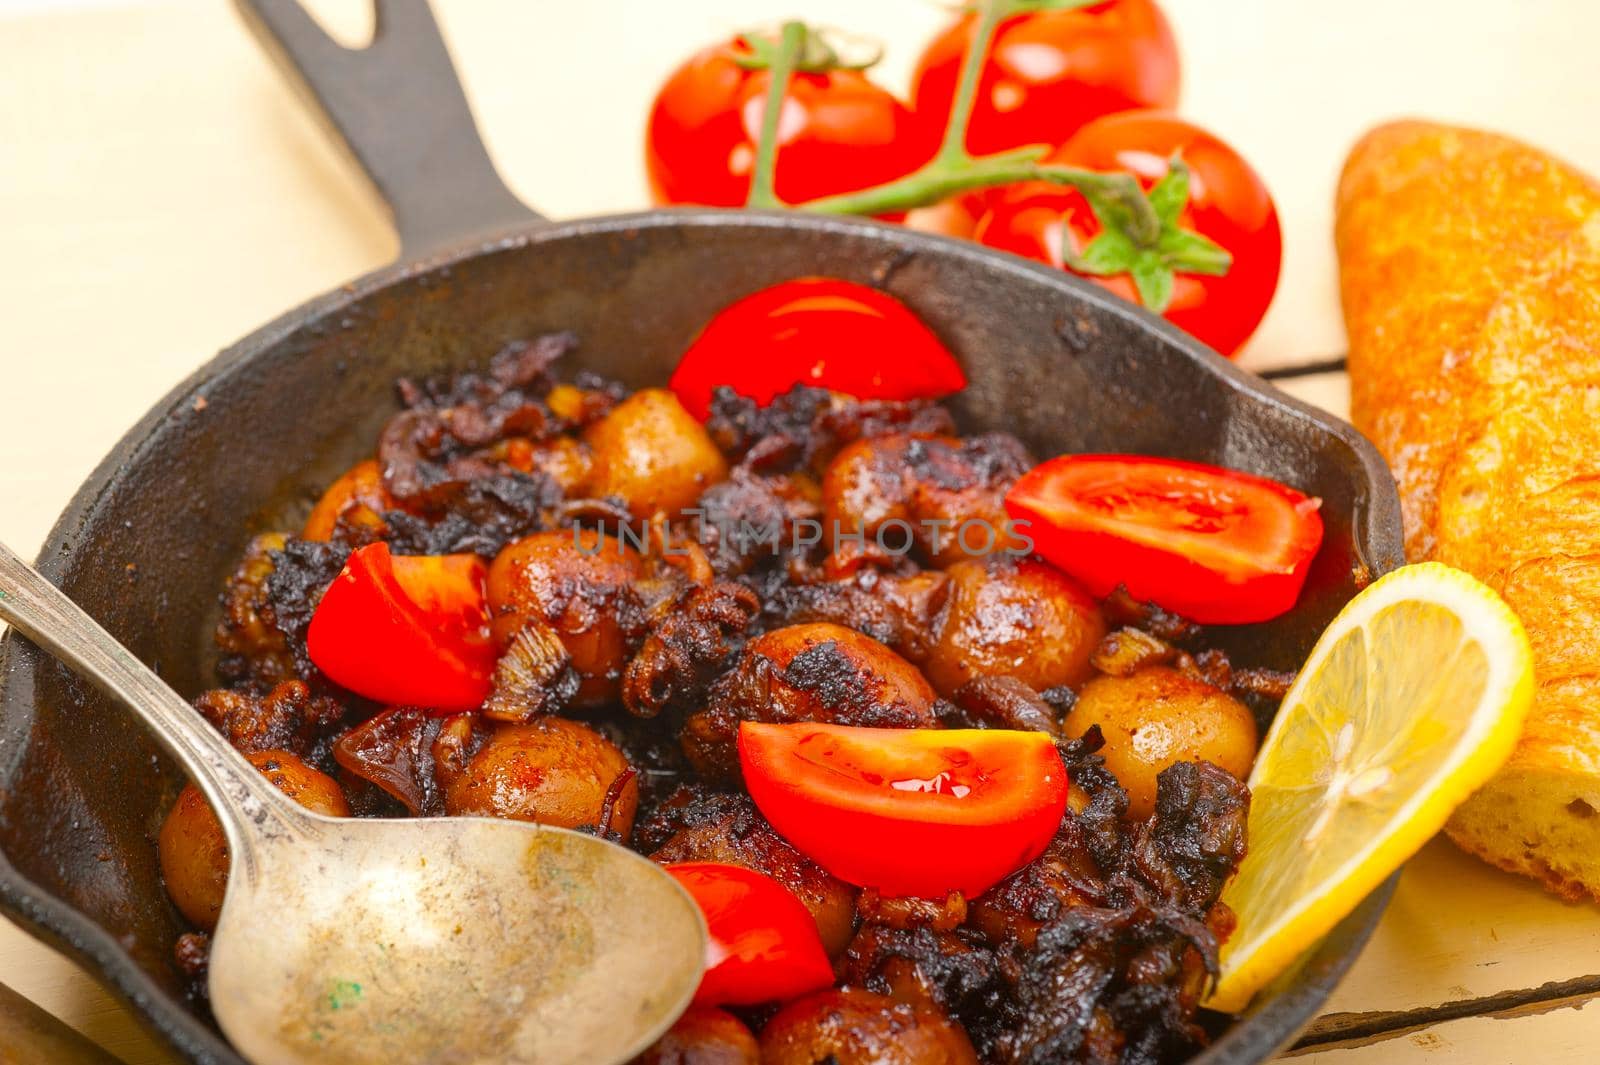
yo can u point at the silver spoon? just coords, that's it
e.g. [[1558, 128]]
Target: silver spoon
[[451, 940]]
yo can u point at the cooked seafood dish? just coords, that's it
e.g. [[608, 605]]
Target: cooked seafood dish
[[895, 704]]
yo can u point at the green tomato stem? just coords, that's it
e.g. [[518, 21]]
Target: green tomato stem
[[763, 177], [953, 148], [941, 179]]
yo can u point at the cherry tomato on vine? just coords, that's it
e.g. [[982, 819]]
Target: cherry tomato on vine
[[409, 630], [763, 945], [816, 331], [840, 131], [907, 811], [1049, 72], [1226, 202], [1213, 545]]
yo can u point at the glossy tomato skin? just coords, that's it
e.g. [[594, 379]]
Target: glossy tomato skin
[[1228, 202], [409, 631], [955, 217], [816, 331], [763, 945], [840, 131], [1050, 72], [1215, 546], [910, 812]]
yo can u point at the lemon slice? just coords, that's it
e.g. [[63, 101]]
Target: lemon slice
[[1412, 699]]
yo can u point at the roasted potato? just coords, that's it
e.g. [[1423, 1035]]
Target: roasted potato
[[552, 771], [855, 1027], [812, 672], [652, 454], [359, 486], [1158, 716], [577, 582], [704, 1035], [194, 851], [251, 643], [948, 492], [1006, 618], [827, 672], [564, 460]]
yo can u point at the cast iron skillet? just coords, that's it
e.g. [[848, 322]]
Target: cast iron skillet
[[243, 445]]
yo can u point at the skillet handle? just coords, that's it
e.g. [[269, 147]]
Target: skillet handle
[[399, 109]]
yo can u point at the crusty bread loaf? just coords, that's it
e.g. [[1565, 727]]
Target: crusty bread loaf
[[1470, 270]]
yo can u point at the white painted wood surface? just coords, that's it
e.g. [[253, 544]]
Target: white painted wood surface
[[161, 194]]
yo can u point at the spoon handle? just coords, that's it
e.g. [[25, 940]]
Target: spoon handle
[[236, 790]]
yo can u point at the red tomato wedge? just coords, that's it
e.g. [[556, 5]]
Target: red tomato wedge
[[908, 811], [407, 630], [1216, 546], [821, 332], [764, 945]]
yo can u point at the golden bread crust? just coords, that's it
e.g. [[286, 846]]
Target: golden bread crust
[[1470, 273], [1432, 224]]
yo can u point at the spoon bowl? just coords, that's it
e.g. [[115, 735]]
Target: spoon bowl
[[449, 941]]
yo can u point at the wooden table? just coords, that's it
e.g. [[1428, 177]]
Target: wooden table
[[161, 194]]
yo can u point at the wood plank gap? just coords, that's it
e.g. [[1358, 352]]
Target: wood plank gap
[[1307, 369], [1340, 1030]]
